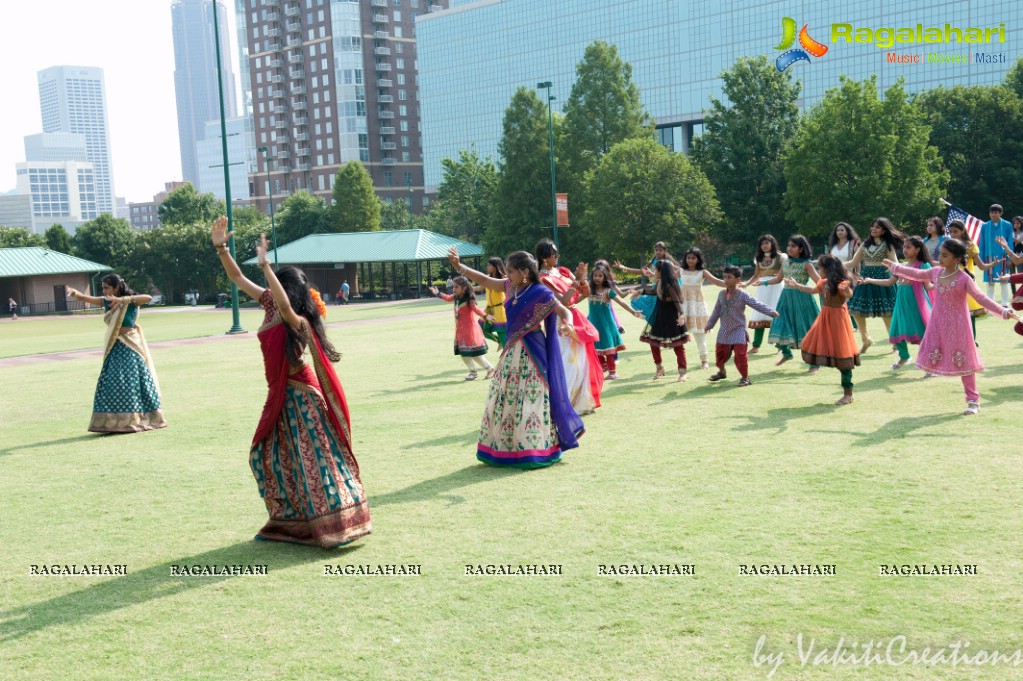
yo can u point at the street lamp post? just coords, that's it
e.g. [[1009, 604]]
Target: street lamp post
[[408, 183], [547, 85], [270, 194], [236, 325]]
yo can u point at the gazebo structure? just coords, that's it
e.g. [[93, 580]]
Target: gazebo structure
[[392, 264], [35, 277]]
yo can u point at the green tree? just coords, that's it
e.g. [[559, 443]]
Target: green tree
[[299, 215], [16, 237], [646, 190], [856, 157], [186, 206], [462, 209], [111, 241], [521, 204], [58, 239], [251, 216], [394, 215], [356, 207], [1014, 77], [178, 258], [603, 109], [742, 145], [979, 132]]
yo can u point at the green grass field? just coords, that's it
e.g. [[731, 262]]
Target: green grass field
[[696, 474]]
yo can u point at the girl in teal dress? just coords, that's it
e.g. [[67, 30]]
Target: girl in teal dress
[[797, 310], [871, 300], [912, 302], [610, 342]]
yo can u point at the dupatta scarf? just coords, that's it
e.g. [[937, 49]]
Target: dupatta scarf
[[582, 330], [113, 317], [273, 338], [526, 313], [924, 299]]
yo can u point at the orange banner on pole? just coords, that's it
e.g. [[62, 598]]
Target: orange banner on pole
[[562, 210]]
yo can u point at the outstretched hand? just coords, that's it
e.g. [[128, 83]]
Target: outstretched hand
[[219, 234], [618, 265], [261, 250], [453, 258], [433, 290], [889, 263], [114, 301]]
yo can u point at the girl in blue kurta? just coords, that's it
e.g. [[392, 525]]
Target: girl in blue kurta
[[602, 317], [127, 396], [797, 310]]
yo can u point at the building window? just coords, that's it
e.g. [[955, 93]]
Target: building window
[[404, 140], [404, 157], [402, 95], [388, 178], [404, 126], [401, 79], [399, 63], [408, 179]]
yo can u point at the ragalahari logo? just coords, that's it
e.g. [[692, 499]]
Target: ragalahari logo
[[808, 44]]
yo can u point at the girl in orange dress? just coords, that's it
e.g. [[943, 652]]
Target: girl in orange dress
[[469, 341], [830, 341]]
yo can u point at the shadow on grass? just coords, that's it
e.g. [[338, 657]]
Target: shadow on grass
[[438, 488], [468, 440], [419, 387], [149, 584], [50, 443]]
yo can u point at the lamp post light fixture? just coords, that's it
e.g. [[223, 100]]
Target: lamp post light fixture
[[547, 85], [408, 183], [270, 194]]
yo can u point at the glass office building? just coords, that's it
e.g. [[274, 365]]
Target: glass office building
[[473, 56]]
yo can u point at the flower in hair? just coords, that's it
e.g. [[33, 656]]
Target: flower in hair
[[318, 300]]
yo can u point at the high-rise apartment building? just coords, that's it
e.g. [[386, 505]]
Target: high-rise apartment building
[[62, 192], [241, 152], [195, 76], [72, 100], [335, 81]]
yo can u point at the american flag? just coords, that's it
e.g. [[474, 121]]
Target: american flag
[[972, 224]]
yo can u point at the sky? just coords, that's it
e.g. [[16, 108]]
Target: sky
[[133, 44]]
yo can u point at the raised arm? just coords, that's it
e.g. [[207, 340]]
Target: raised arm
[[443, 296], [1016, 259], [81, 297], [857, 258], [792, 283], [480, 278], [711, 279], [631, 310], [755, 279], [288, 314], [234, 273], [986, 302], [811, 271], [879, 282], [906, 272], [630, 270]]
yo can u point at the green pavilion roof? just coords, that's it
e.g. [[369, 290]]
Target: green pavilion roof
[[31, 261], [402, 245]]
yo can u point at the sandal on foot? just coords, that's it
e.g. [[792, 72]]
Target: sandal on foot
[[898, 365], [682, 376], [471, 376], [845, 399], [866, 346], [972, 409], [743, 382], [753, 350], [659, 373], [704, 364], [720, 375], [612, 376]]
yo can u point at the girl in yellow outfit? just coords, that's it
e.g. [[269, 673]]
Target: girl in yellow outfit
[[495, 322], [957, 230]]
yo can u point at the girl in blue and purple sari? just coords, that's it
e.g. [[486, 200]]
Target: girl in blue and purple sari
[[528, 421]]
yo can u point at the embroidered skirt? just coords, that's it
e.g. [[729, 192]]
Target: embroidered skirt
[[870, 300], [127, 399]]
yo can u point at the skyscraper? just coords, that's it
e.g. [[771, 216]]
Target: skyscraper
[[335, 81], [195, 75], [72, 99]]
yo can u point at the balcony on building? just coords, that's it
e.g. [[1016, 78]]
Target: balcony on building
[[301, 120], [279, 110], [302, 137], [276, 79], [277, 94], [274, 63], [388, 146], [293, 11], [380, 19], [389, 161], [298, 89], [387, 130], [299, 106], [274, 33], [296, 58], [296, 73], [294, 42], [380, 35], [435, 8], [383, 67], [283, 154], [385, 114], [305, 166], [304, 151], [275, 47], [379, 3], [384, 82], [385, 99], [282, 139], [382, 51], [281, 124], [294, 27]]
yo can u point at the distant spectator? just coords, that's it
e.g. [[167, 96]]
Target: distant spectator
[[12, 308], [450, 285], [346, 291]]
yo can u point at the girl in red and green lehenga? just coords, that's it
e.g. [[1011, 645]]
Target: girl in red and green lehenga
[[127, 396], [301, 454]]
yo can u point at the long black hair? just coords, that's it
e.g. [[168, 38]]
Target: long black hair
[[850, 234], [545, 248], [805, 249], [834, 271], [758, 256], [957, 249], [604, 269], [699, 259], [924, 253], [498, 265], [893, 237], [121, 287], [296, 285], [668, 284], [959, 225], [521, 260], [468, 294]]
